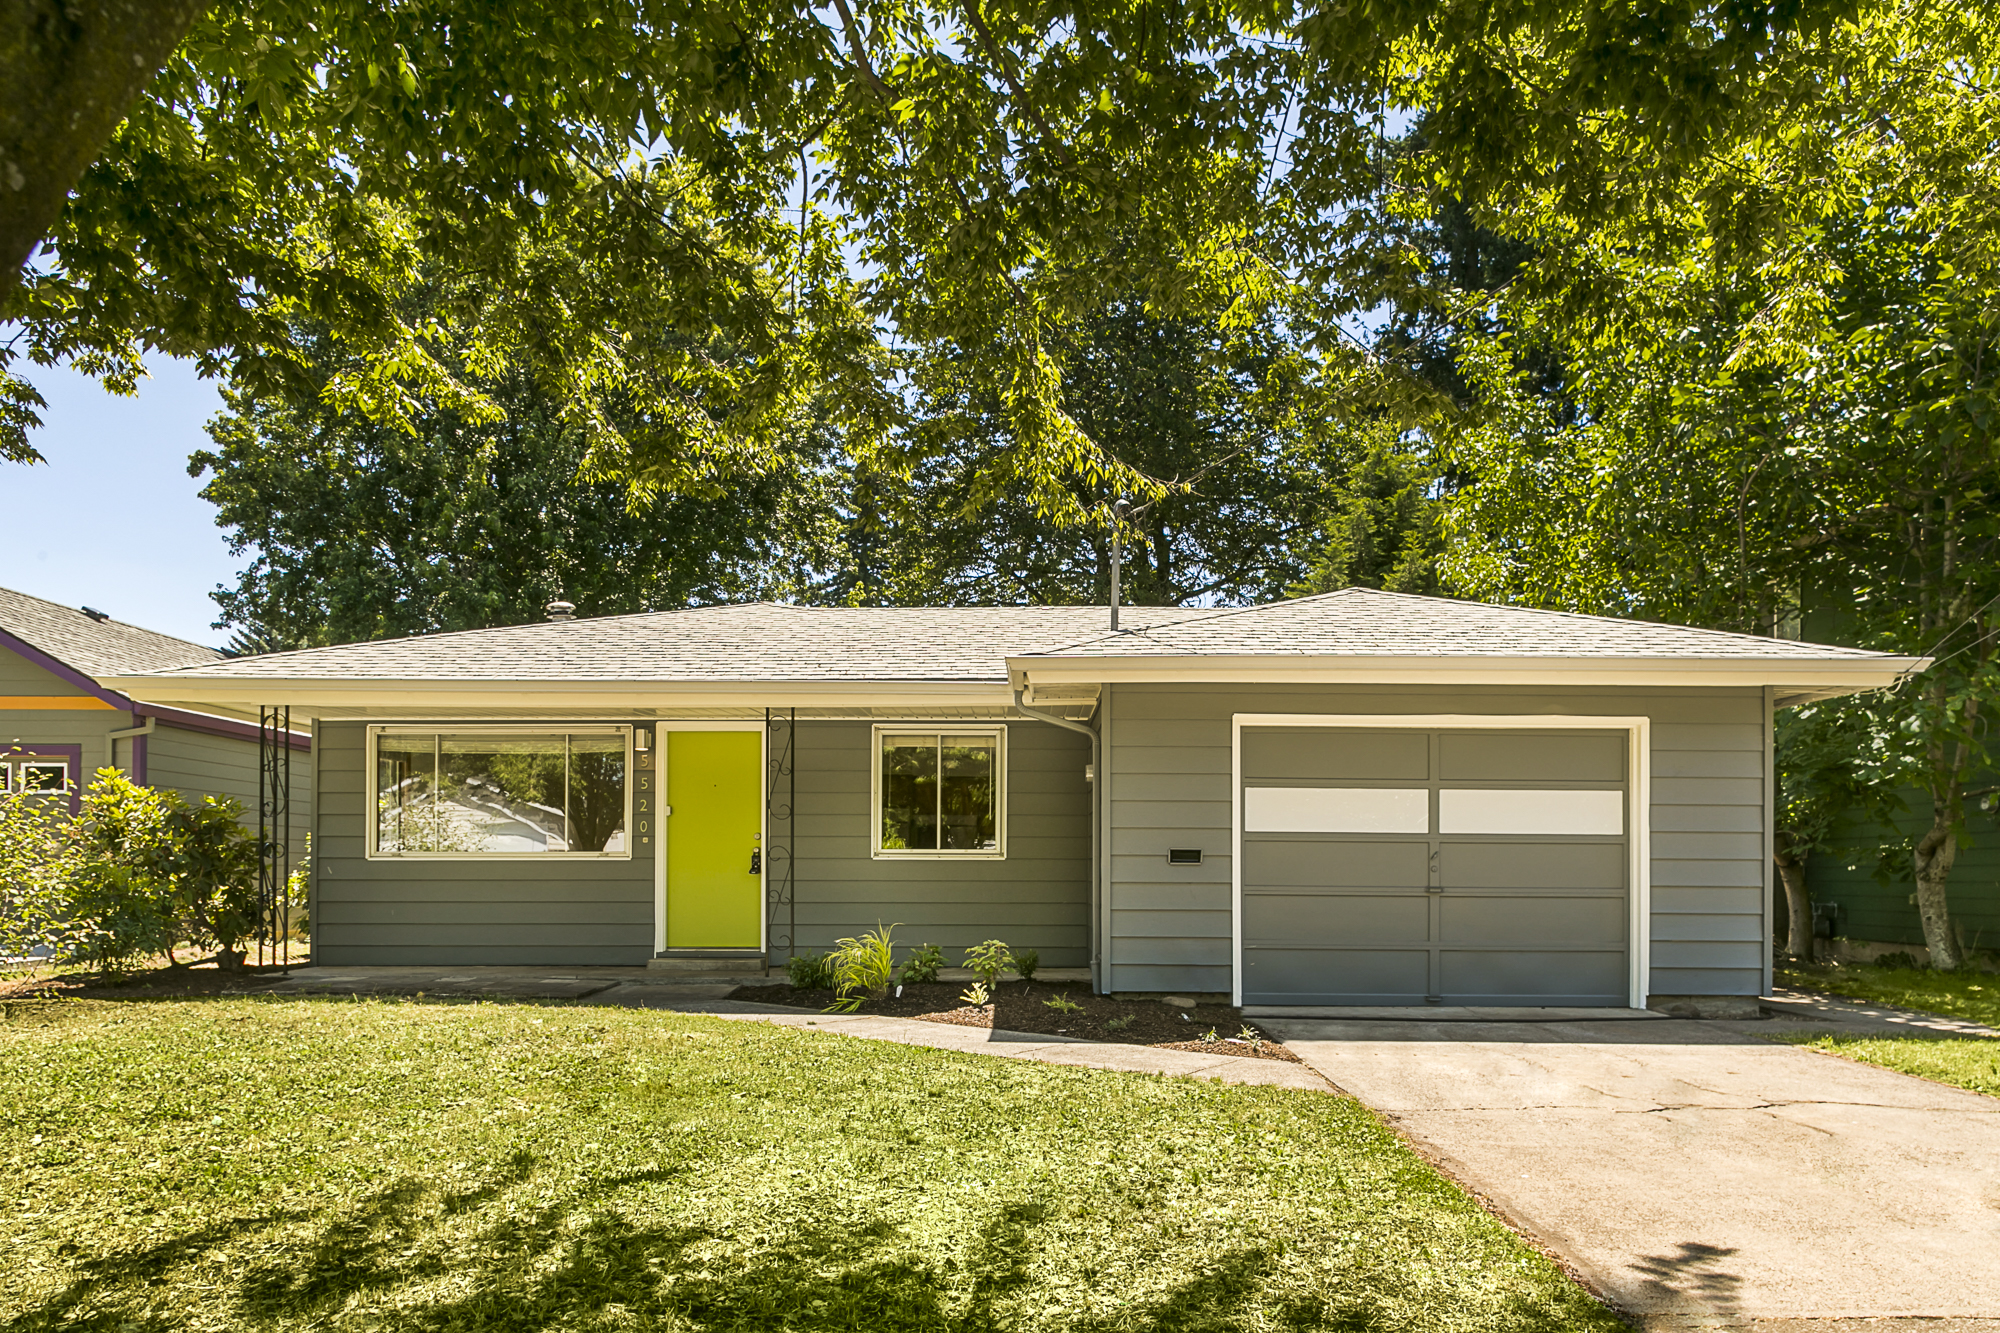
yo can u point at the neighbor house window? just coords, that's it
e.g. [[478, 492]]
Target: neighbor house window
[[37, 776], [940, 793], [500, 791]]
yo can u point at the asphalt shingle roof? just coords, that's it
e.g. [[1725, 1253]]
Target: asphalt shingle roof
[[767, 641], [1362, 622], [95, 648]]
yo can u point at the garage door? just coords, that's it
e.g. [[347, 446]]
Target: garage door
[[1484, 867]]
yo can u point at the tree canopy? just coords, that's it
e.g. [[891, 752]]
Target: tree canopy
[[995, 174]]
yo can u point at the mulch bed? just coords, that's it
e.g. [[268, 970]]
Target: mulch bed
[[1022, 1007], [157, 983]]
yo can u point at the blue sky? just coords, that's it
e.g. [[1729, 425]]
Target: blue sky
[[113, 520]]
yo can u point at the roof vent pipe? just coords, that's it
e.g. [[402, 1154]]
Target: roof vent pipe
[[561, 610], [99, 616]]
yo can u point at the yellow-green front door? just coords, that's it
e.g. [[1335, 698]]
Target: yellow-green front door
[[715, 790]]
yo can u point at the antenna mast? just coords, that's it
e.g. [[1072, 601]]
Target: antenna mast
[[1117, 552]]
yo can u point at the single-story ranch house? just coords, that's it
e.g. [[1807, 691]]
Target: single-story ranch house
[[1359, 798]]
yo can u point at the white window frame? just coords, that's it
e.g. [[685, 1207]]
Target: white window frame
[[17, 764], [373, 813], [998, 731], [1638, 796]]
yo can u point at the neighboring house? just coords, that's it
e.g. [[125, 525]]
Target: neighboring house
[[1359, 798], [59, 722], [1871, 912]]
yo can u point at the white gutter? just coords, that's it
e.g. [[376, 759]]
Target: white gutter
[[1824, 677], [324, 695]]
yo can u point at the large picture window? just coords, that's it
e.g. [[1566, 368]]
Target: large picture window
[[940, 793], [501, 791]]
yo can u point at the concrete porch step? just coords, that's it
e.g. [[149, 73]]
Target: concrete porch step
[[709, 963]]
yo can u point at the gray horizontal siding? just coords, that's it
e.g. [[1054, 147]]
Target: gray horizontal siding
[[567, 913], [197, 764], [1168, 765], [1037, 897], [454, 913]]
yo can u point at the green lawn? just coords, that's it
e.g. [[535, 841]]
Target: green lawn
[[399, 1166], [1969, 995], [1969, 1062]]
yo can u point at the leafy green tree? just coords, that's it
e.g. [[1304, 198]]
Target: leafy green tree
[[1001, 173], [1238, 433], [358, 530], [1784, 393]]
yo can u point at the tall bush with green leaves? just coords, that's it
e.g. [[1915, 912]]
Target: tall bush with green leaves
[[212, 875], [32, 916], [118, 874]]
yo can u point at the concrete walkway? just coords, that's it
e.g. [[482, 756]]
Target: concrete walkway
[[997, 1041], [635, 988], [1696, 1174]]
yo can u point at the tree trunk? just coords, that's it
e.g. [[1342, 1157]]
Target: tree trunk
[[69, 68], [1798, 902], [1933, 857]]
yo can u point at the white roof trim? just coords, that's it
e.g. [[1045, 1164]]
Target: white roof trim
[[1794, 678], [404, 695], [1822, 676]]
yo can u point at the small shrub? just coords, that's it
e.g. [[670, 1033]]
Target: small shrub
[[987, 961], [213, 874], [1118, 1024], [922, 965], [1062, 1004], [976, 995], [810, 971], [1209, 1036], [1025, 963], [862, 968], [1252, 1038]]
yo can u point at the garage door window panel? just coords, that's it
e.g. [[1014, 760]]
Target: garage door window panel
[[1336, 810], [1531, 812]]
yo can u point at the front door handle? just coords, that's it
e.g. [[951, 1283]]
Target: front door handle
[[757, 860]]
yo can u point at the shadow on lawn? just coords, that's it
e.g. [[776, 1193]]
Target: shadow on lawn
[[578, 1262]]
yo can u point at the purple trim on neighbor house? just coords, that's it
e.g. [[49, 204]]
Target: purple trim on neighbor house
[[139, 760], [62, 671], [173, 717], [213, 726], [73, 753]]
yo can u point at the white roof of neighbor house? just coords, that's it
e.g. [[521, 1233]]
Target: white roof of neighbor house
[[93, 647], [771, 651]]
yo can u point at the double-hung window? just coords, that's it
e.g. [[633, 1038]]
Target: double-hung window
[[940, 792], [500, 791]]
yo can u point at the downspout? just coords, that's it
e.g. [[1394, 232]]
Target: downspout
[[1096, 817], [137, 735]]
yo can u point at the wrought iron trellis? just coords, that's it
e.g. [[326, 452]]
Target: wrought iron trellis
[[781, 791], [274, 836]]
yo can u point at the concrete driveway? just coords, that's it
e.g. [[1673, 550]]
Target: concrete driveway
[[1695, 1174]]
